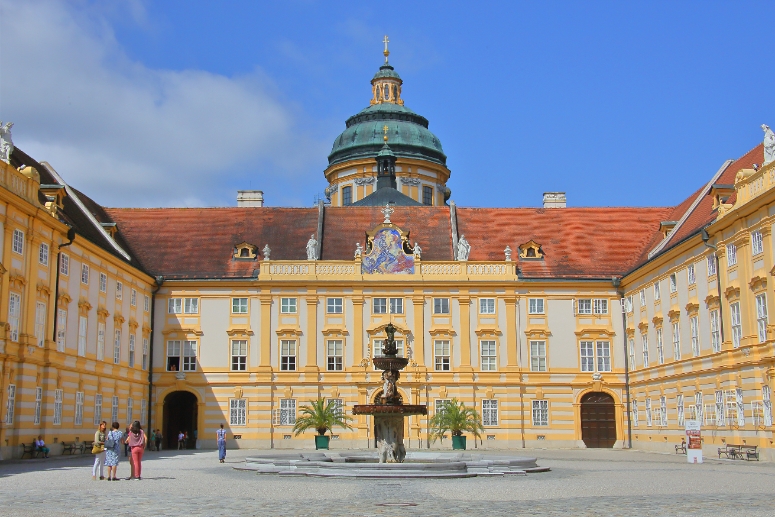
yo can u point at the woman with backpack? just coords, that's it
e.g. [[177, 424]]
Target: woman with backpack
[[113, 450]]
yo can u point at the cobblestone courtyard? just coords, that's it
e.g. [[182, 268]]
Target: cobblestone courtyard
[[581, 483]]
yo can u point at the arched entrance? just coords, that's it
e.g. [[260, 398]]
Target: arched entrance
[[180, 414], [598, 420]]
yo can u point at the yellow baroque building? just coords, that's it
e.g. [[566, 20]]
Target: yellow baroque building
[[563, 327]]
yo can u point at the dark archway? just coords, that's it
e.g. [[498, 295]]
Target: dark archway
[[598, 420], [180, 414]]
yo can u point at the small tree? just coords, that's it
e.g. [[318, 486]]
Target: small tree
[[455, 417], [321, 416]]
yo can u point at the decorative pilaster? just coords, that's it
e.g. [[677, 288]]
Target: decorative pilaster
[[312, 334]]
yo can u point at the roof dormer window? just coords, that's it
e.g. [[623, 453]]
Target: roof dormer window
[[245, 251], [531, 250]]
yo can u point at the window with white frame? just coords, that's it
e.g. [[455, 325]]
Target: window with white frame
[[590, 306], [64, 264], [649, 416], [644, 339], [396, 306], [538, 356], [601, 306], [631, 348], [694, 326], [338, 406], [642, 297], [731, 255], [334, 305], [660, 347], [40, 323], [287, 412], [711, 264], [17, 245], [441, 355], [58, 396], [584, 306], [720, 413], [629, 304], [78, 420], [379, 343], [603, 356], [698, 409], [82, 328], [740, 407], [84, 273], [175, 306], [119, 291], [757, 246], [587, 356], [101, 341], [103, 283], [334, 355], [130, 407], [117, 347], [489, 412], [382, 305], [61, 330], [737, 328], [663, 410], [488, 355], [657, 294], [14, 312], [145, 353], [536, 306], [146, 303], [239, 355], [43, 254], [673, 283], [181, 356], [441, 306], [676, 341], [715, 335], [133, 298], [690, 276], [767, 405], [540, 412], [288, 355], [288, 305], [238, 412], [38, 405], [486, 305], [183, 306], [440, 406], [114, 409], [98, 409], [240, 305], [189, 356], [10, 404], [761, 316], [131, 350], [634, 412], [680, 409]]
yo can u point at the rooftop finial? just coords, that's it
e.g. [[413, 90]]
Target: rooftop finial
[[385, 130], [386, 51]]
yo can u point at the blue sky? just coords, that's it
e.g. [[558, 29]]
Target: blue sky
[[181, 103]]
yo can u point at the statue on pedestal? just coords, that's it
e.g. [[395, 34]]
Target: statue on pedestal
[[769, 144], [6, 144], [312, 248], [463, 249]]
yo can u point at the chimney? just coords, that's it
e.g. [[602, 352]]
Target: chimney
[[554, 199], [250, 198]]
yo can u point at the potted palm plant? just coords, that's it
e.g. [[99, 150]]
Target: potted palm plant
[[322, 416], [454, 417]]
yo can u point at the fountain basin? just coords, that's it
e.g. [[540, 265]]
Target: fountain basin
[[390, 362]]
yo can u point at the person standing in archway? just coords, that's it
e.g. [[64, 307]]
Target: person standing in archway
[[221, 435]]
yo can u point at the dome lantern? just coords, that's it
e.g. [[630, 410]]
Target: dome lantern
[[386, 84]]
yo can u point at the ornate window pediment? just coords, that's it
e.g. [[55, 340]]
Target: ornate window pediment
[[530, 250], [245, 251]]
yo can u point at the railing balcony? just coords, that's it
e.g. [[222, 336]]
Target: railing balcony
[[24, 186], [351, 270]]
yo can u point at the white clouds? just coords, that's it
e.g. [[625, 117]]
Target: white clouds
[[128, 135]]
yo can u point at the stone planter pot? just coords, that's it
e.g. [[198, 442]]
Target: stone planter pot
[[459, 443], [321, 442]]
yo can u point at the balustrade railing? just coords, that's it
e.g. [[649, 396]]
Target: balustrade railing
[[329, 270]]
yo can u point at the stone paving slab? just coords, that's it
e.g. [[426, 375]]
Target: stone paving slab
[[580, 483]]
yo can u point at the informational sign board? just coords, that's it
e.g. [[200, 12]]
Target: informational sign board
[[693, 442]]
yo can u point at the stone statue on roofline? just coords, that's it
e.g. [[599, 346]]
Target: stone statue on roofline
[[312, 248], [6, 144], [463, 249], [358, 250], [507, 252], [266, 251], [769, 144], [417, 250]]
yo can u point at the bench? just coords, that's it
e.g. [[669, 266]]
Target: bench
[[739, 452], [680, 448], [30, 449], [750, 451], [730, 451], [87, 446], [71, 447]]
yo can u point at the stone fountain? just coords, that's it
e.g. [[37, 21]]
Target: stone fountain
[[389, 411]]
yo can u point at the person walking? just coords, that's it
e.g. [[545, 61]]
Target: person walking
[[221, 435], [136, 440], [40, 446], [113, 450], [98, 449], [158, 439], [181, 436], [152, 440]]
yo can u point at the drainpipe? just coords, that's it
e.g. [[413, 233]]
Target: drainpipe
[[617, 282], [70, 239], [159, 281], [705, 239]]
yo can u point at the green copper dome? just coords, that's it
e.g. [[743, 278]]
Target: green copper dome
[[386, 70], [408, 135]]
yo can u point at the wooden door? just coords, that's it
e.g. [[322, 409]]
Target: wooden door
[[598, 420]]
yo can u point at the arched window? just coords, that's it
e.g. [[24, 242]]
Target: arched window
[[377, 94]]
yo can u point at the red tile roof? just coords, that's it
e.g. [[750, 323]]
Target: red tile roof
[[576, 242]]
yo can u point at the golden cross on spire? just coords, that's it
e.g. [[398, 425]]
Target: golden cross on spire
[[386, 51], [385, 130]]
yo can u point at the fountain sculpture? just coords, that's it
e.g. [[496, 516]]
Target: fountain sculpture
[[389, 411]]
